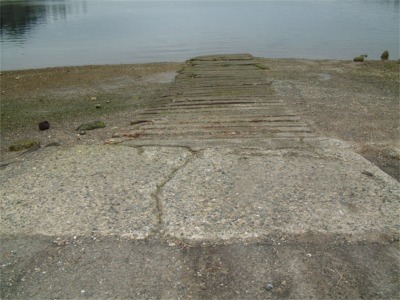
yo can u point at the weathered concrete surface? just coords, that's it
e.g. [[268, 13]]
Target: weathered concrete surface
[[215, 194], [87, 189], [254, 210], [254, 193]]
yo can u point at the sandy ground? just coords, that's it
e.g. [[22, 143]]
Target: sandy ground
[[355, 102]]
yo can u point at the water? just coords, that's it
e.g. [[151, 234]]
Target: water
[[45, 33]]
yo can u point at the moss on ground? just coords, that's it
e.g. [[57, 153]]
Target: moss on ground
[[23, 145]]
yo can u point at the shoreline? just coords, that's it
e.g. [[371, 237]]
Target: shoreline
[[181, 62], [89, 66], [342, 99]]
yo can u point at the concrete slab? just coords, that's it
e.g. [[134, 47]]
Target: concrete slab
[[226, 194], [87, 189], [213, 193]]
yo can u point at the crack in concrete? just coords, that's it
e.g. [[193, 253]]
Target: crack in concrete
[[156, 194]]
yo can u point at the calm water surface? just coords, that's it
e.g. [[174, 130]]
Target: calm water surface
[[46, 33]]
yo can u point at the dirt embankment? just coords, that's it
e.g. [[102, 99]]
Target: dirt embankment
[[355, 102]]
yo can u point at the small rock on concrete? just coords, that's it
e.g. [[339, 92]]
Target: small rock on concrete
[[98, 106]]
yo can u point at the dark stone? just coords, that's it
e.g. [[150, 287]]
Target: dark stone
[[385, 55], [44, 125], [359, 58]]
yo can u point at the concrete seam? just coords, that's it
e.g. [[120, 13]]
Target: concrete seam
[[156, 194]]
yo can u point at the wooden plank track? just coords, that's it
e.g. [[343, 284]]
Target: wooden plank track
[[217, 97]]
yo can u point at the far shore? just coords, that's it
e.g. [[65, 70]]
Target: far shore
[[354, 102]]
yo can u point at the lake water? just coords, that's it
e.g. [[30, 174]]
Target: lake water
[[45, 33]]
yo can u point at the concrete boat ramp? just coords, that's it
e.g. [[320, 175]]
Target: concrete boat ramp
[[220, 192], [219, 100]]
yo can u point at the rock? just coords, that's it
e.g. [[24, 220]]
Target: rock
[[359, 58], [91, 125], [44, 125], [385, 55], [269, 286], [98, 106], [23, 145]]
